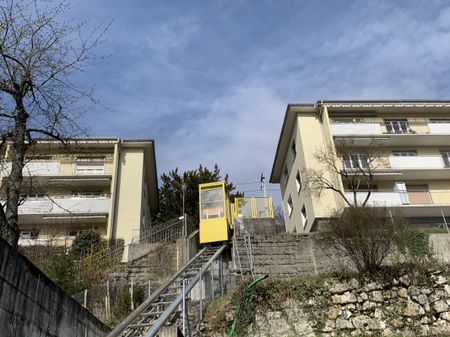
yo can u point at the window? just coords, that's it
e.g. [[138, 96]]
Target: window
[[400, 188], [212, 203], [290, 206], [285, 174], [411, 153], [94, 194], [304, 216], [440, 121], [298, 182], [38, 158], [397, 126], [446, 158], [34, 195], [346, 120], [29, 234], [71, 234], [87, 166], [355, 160]]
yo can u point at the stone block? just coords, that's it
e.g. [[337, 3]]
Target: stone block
[[413, 309]]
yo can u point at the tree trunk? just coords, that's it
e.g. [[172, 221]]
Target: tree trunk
[[10, 231]]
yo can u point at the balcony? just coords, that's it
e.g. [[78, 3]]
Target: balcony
[[355, 129], [65, 206], [439, 128], [68, 168], [416, 162], [409, 134], [412, 203], [377, 198], [35, 169]]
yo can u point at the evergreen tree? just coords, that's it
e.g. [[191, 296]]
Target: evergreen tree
[[171, 193]]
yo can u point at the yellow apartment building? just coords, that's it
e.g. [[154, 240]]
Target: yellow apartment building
[[106, 184], [412, 173]]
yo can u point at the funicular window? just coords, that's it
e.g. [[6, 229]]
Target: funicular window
[[212, 203]]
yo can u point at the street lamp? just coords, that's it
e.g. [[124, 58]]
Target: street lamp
[[183, 190]]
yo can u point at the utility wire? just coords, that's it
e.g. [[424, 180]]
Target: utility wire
[[256, 182]]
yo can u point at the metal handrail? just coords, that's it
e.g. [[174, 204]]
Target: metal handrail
[[165, 316], [246, 237], [116, 252], [135, 314]]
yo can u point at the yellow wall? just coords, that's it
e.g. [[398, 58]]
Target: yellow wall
[[312, 132], [129, 194], [310, 138], [440, 191]]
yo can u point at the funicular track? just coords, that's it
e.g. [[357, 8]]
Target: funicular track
[[146, 320]]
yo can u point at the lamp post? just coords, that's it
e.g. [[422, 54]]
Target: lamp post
[[183, 190], [263, 185]]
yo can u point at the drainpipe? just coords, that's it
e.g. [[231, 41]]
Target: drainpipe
[[115, 178]]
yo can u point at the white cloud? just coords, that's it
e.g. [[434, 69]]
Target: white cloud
[[444, 18], [239, 132], [171, 35]]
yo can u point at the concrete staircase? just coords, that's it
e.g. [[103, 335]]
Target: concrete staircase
[[159, 263]]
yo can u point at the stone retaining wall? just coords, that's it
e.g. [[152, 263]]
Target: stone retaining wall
[[388, 309]]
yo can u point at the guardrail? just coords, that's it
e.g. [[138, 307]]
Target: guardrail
[[255, 207], [110, 258]]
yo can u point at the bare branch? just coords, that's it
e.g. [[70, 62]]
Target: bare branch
[[348, 165], [39, 53]]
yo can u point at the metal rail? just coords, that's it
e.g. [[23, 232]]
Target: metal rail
[[151, 315], [245, 261]]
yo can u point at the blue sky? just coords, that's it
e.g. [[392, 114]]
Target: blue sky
[[210, 80]]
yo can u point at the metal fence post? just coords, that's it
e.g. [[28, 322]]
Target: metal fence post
[[107, 302], [211, 269], [186, 257], [221, 275], [201, 295], [85, 298], [131, 295], [184, 308]]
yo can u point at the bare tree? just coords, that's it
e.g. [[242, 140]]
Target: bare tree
[[365, 235], [355, 168], [279, 218], [39, 54]]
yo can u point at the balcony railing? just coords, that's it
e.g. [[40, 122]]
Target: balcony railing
[[65, 205], [439, 128], [347, 129], [52, 168], [410, 127], [35, 169], [259, 207], [376, 198], [416, 162], [391, 198]]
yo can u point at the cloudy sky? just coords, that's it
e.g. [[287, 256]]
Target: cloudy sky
[[209, 80]]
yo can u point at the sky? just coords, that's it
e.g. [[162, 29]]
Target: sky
[[209, 81]]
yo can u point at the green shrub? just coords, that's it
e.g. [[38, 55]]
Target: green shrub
[[86, 242]]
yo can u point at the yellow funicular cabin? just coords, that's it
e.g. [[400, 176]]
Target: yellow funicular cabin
[[215, 214]]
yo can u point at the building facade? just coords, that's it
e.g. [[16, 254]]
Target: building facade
[[106, 184], [410, 174]]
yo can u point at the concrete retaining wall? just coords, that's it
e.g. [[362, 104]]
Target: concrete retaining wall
[[32, 305]]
